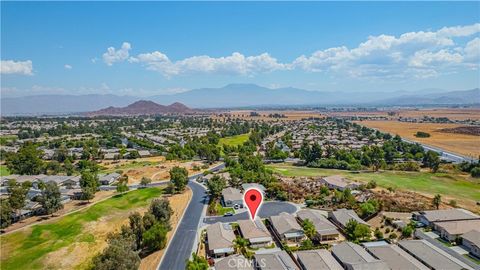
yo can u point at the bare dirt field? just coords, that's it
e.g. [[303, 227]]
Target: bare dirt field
[[178, 203], [155, 168], [467, 145], [452, 114]]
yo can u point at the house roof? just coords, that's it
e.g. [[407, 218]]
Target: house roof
[[319, 259], [234, 262], [278, 260], [336, 180], [231, 194], [458, 227], [431, 255], [473, 236], [349, 253], [253, 229], [220, 236], [285, 223], [396, 258], [448, 214], [321, 223], [343, 216]]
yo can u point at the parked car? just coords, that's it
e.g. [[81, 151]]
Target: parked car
[[228, 214]]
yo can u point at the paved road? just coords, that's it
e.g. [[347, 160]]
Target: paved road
[[268, 209], [181, 245]]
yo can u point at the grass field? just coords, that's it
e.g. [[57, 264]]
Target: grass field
[[458, 186], [4, 170], [31, 247], [234, 140], [467, 145]]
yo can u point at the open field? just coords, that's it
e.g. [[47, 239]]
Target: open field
[[452, 114], [460, 187], [155, 168], [467, 145], [234, 140], [71, 241]]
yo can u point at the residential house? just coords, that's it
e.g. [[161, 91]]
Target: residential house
[[342, 216], [471, 240], [144, 153], [396, 258], [326, 231], [255, 232], [432, 216], [318, 259], [234, 262], [453, 230], [276, 260], [287, 228], [108, 179], [354, 257], [254, 185], [219, 242], [339, 182], [231, 197], [432, 256]]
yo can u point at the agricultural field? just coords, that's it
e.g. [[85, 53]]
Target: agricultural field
[[463, 144], [73, 240], [460, 187], [234, 140]]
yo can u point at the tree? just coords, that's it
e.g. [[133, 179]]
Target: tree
[[148, 220], [306, 244], [215, 186], [475, 172], [89, 184], [368, 208], [309, 229], [356, 231], [161, 210], [431, 160], [119, 255], [437, 200], [50, 199], [156, 237], [26, 161], [378, 234], [376, 157], [197, 263], [179, 177], [136, 225], [145, 181], [122, 186], [407, 231], [18, 194], [5, 213], [240, 245]]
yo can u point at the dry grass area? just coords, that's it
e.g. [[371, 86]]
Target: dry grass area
[[178, 203], [467, 145], [452, 114], [68, 207], [155, 168], [264, 115]]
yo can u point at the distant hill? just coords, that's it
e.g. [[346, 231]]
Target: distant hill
[[143, 107], [237, 95]]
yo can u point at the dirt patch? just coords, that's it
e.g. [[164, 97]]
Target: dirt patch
[[467, 130], [178, 203]]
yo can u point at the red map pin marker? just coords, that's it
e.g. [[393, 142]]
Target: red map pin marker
[[253, 198]]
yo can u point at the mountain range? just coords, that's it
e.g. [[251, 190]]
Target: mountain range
[[237, 95], [143, 107]]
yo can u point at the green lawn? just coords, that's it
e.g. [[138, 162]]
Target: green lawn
[[4, 170], [26, 249], [450, 184], [234, 140], [222, 210]]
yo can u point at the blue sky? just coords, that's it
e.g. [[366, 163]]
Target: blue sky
[[166, 47]]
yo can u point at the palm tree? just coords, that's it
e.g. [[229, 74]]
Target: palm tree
[[197, 263], [240, 245], [437, 200]]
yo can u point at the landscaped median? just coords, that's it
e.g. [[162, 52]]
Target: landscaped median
[[73, 240]]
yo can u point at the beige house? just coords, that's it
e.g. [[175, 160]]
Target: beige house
[[326, 231], [339, 182], [219, 242], [255, 232], [287, 228], [471, 240], [452, 230]]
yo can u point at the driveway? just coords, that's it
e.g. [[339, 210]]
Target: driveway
[[268, 209]]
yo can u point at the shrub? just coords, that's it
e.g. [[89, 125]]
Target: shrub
[[421, 134]]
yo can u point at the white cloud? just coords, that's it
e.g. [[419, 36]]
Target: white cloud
[[16, 67], [112, 55], [413, 54], [67, 66]]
